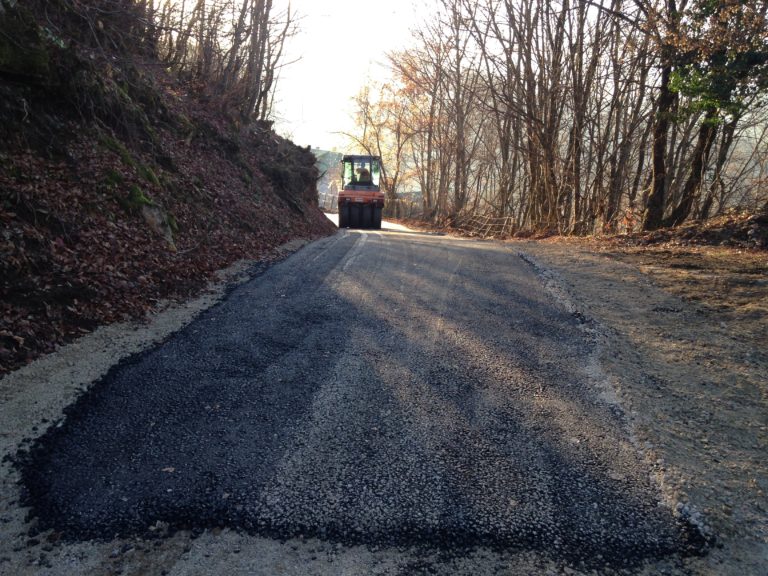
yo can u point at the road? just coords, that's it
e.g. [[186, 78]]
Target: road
[[382, 389]]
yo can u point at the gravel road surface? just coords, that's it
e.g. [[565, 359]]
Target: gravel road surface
[[376, 389]]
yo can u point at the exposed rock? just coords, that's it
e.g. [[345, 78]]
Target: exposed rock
[[158, 222]]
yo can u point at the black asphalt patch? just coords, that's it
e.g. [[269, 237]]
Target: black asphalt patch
[[373, 389]]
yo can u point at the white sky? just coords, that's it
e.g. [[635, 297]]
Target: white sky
[[341, 43]]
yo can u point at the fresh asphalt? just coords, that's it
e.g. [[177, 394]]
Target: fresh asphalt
[[377, 388]]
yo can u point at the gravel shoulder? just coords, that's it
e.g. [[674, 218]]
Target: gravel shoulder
[[683, 334]]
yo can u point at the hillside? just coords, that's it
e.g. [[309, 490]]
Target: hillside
[[122, 184]]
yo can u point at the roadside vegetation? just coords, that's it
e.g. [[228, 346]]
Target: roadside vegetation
[[577, 117]]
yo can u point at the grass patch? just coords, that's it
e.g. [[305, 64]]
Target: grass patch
[[113, 179], [111, 144], [146, 172], [149, 175], [172, 223], [135, 200]]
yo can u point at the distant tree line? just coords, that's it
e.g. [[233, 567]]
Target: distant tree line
[[579, 116]]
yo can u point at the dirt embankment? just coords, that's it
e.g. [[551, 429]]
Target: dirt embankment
[[120, 186]]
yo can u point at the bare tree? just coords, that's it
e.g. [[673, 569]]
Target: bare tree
[[585, 116], [230, 49]]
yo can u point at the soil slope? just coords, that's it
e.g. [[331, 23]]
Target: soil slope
[[121, 186]]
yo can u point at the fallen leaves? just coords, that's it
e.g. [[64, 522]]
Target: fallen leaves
[[72, 257]]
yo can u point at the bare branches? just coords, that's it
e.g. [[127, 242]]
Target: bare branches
[[231, 49], [578, 116]]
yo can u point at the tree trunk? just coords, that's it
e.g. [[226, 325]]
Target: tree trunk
[[722, 156], [707, 132], [654, 209]]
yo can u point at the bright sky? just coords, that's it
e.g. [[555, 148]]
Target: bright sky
[[341, 44]]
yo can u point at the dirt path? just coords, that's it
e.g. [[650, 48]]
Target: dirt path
[[684, 334]]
